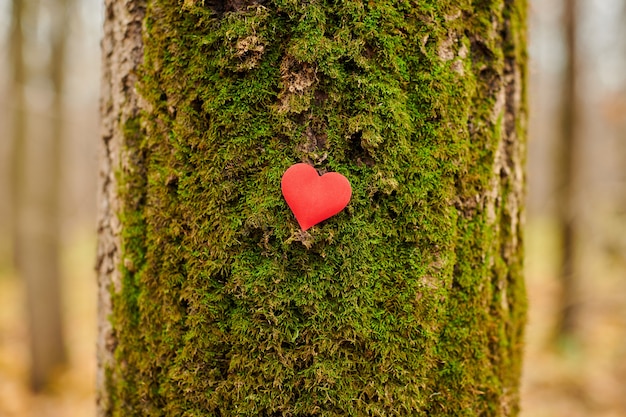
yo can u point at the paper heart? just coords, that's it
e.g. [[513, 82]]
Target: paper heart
[[313, 198]]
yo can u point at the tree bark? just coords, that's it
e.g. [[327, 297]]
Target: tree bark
[[122, 52], [409, 302]]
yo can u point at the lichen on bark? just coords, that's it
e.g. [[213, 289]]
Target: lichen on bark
[[410, 301]]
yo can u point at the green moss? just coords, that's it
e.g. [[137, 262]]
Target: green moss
[[394, 306]]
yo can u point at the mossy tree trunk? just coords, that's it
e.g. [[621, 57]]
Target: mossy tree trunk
[[409, 302]]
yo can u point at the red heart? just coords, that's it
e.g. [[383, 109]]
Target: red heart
[[312, 198]]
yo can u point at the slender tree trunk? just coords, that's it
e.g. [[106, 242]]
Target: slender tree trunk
[[18, 132], [569, 177], [409, 302], [36, 218], [60, 23]]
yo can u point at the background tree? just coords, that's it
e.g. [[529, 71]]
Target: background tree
[[410, 302], [36, 180], [569, 178]]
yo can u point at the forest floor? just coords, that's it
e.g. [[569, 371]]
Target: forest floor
[[584, 377], [72, 394]]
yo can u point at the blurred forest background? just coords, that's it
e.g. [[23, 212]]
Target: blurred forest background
[[575, 229]]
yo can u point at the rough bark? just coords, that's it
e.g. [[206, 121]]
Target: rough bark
[[122, 53], [410, 302]]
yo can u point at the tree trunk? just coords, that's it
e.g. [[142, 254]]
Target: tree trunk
[[569, 178], [409, 302], [36, 186]]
